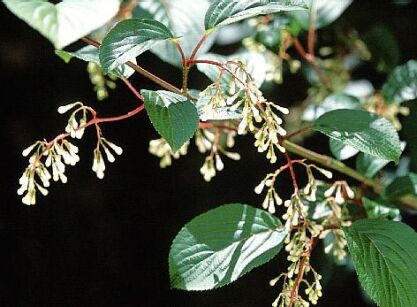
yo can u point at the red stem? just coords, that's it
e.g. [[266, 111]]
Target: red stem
[[132, 89], [312, 29], [293, 177], [196, 48], [181, 51]]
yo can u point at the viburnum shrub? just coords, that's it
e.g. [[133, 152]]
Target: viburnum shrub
[[359, 222]]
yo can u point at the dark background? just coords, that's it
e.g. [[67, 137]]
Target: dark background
[[106, 243]]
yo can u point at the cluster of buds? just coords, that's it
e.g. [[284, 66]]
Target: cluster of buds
[[75, 127], [287, 296], [217, 143], [267, 137], [246, 97], [336, 242], [310, 190], [337, 245], [341, 192], [99, 80], [299, 245], [56, 155], [296, 211], [314, 290], [272, 198], [162, 150], [290, 294], [99, 165]]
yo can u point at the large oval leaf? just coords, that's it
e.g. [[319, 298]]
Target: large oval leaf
[[223, 12], [223, 244], [361, 130], [67, 21], [384, 255], [185, 18], [173, 116], [401, 84], [130, 38]]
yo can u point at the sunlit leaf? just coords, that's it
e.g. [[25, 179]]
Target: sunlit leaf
[[67, 21], [223, 12], [363, 131], [173, 116], [130, 38], [221, 245]]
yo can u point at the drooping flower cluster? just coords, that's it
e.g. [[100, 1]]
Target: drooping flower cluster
[[217, 142], [272, 198], [162, 150], [99, 165], [37, 175], [75, 127], [299, 246], [99, 81], [48, 160], [253, 109]]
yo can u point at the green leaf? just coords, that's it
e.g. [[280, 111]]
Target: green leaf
[[369, 165], [130, 38], [402, 186], [223, 12], [332, 102], [362, 130], [173, 116], [375, 210], [327, 12], [185, 18], [340, 150], [221, 245], [67, 21], [90, 54], [401, 84], [384, 255], [87, 53], [384, 48]]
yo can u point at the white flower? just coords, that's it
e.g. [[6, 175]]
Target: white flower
[[66, 108]]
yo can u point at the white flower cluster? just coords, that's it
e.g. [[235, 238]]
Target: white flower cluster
[[162, 150], [272, 198], [341, 192], [98, 161], [58, 154], [74, 127], [247, 97], [310, 189], [217, 143]]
